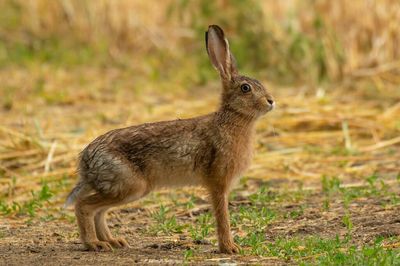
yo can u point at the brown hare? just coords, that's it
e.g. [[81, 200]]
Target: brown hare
[[212, 150]]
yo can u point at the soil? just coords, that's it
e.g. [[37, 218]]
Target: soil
[[56, 242]]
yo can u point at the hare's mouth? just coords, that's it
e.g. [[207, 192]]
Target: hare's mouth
[[266, 105], [271, 106]]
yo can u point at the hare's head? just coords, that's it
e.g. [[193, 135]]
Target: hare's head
[[240, 93]]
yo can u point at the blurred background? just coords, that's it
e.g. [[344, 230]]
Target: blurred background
[[279, 40], [73, 69]]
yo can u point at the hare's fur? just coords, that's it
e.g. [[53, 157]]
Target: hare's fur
[[213, 150]]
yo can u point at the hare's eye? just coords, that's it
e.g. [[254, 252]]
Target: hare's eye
[[245, 88]]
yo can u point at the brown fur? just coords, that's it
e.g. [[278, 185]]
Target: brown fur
[[124, 165]]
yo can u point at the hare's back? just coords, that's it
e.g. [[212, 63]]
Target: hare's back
[[171, 142]]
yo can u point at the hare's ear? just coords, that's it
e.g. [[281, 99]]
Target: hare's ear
[[218, 52]]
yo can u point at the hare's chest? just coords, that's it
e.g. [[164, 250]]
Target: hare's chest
[[243, 160], [237, 157]]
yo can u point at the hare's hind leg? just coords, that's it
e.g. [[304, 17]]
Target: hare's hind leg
[[115, 183], [85, 210], [102, 231]]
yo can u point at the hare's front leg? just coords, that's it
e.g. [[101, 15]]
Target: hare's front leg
[[220, 205]]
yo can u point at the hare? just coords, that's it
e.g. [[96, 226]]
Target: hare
[[212, 150]]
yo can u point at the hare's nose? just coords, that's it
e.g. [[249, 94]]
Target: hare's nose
[[271, 103]]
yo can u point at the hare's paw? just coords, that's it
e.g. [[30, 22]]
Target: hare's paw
[[119, 242], [229, 248], [98, 246]]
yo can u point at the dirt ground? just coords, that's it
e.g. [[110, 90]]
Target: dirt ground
[[56, 242]]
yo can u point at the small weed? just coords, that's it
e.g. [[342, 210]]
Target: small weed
[[190, 203], [29, 207], [68, 217], [326, 204], [188, 254], [263, 196], [63, 183], [293, 214], [347, 222], [330, 185], [371, 180], [349, 194], [375, 187], [394, 199], [202, 228], [300, 193], [160, 216], [165, 225], [45, 193], [256, 242], [5, 208], [48, 218], [253, 217]]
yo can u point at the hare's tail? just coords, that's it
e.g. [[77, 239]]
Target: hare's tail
[[80, 188]]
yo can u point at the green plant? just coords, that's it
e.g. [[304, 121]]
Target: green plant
[[202, 228], [164, 224], [188, 254], [31, 206], [262, 196], [330, 185], [293, 214], [256, 242], [347, 222]]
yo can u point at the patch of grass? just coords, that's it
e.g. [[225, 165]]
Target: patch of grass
[[67, 216], [256, 241], [257, 214], [293, 214], [310, 250], [189, 202], [316, 250], [294, 196], [29, 207], [253, 216], [375, 187], [188, 254], [202, 228], [347, 222], [45, 193], [165, 224], [263, 196], [374, 254], [330, 185], [48, 217]]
